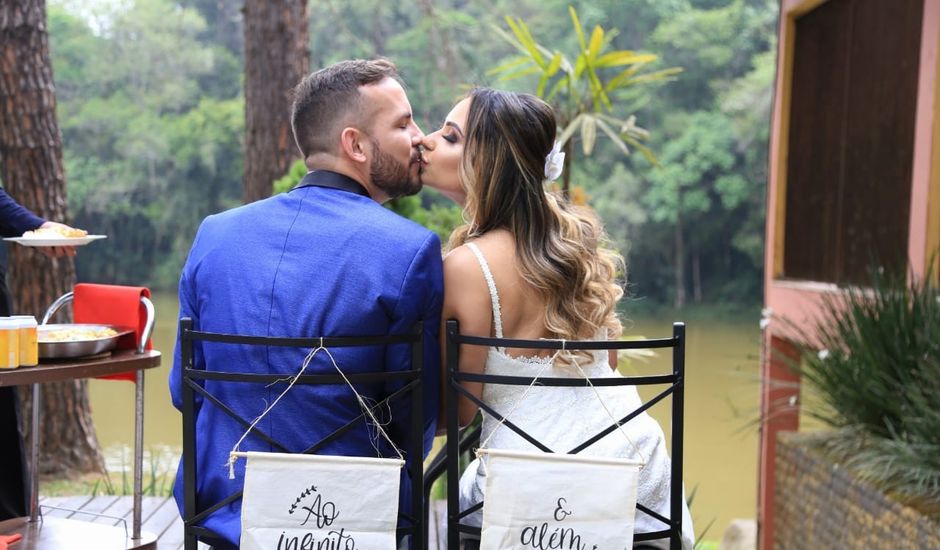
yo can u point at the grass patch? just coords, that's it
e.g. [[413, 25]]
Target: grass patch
[[158, 475]]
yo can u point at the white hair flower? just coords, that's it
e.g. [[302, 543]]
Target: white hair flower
[[554, 163]]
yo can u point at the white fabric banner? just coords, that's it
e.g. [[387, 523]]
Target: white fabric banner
[[295, 501], [544, 500]]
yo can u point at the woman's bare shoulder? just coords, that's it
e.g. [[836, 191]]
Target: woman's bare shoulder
[[463, 277], [459, 261], [466, 296]]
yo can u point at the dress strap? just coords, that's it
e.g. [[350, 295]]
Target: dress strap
[[494, 295]]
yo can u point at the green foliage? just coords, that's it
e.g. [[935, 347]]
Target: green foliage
[[713, 142], [148, 153], [715, 45], [583, 88], [696, 171], [290, 179], [876, 379], [439, 216], [151, 110]]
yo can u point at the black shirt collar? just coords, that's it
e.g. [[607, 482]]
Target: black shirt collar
[[334, 180]]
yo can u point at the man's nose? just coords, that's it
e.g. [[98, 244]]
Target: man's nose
[[428, 143], [417, 130]]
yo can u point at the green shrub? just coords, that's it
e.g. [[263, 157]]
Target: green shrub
[[873, 367]]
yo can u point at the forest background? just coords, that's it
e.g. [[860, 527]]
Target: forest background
[[151, 109]]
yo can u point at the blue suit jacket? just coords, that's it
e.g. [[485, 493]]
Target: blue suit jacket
[[311, 262], [14, 219]]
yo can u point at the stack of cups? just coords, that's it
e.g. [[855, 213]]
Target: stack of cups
[[19, 346]]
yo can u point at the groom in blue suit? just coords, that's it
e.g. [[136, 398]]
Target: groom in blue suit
[[325, 258]]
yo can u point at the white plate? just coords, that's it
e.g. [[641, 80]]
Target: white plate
[[55, 241]]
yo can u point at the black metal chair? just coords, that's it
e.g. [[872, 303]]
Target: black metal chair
[[410, 524], [458, 444]]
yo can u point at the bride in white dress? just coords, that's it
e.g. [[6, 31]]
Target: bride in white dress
[[529, 265]]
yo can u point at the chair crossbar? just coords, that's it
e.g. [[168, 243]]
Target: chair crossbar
[[505, 380], [314, 448], [438, 464], [203, 532], [464, 528], [653, 514], [522, 433], [652, 343], [255, 430], [587, 443], [633, 414], [305, 342], [347, 426], [464, 513], [307, 379], [652, 535], [407, 517], [210, 510]]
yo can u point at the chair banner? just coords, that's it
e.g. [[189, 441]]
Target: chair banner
[[316, 501], [545, 500]]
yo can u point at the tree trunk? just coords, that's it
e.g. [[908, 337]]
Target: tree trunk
[[276, 58], [680, 263], [31, 169], [697, 277], [441, 49]]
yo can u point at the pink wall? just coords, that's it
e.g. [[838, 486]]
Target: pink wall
[[798, 301]]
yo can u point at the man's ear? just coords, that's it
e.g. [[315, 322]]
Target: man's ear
[[353, 143]]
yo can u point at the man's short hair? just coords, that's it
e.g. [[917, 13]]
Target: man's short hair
[[329, 99]]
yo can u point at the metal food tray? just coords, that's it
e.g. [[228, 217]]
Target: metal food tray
[[66, 349]]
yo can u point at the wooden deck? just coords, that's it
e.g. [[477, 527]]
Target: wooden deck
[[159, 514], [161, 517]]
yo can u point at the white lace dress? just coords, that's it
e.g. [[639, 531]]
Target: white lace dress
[[562, 418]]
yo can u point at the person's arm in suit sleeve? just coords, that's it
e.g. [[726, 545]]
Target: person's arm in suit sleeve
[[421, 297], [188, 308], [14, 218]]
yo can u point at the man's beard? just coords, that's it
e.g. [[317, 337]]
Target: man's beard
[[390, 176]]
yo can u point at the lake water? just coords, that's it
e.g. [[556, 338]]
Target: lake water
[[722, 396]]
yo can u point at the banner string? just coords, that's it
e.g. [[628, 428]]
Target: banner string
[[233, 454]]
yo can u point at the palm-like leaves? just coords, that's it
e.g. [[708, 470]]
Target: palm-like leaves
[[583, 91], [878, 383]]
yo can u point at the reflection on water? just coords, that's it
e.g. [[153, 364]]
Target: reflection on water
[[721, 398]]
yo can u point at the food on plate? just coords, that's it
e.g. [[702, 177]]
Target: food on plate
[[55, 231], [76, 334]]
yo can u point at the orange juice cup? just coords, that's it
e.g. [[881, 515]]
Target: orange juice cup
[[9, 343], [28, 340]]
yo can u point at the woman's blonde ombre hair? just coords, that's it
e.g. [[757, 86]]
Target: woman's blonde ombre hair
[[561, 247]]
